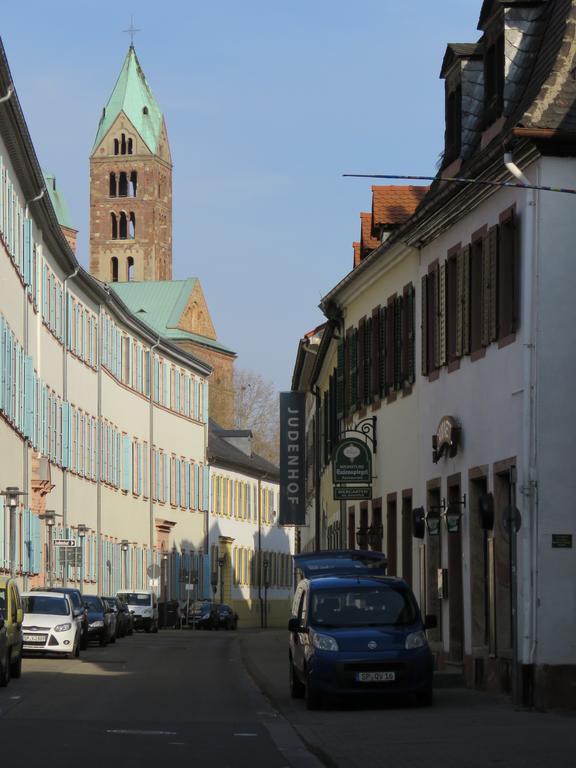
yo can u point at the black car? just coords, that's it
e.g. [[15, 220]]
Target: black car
[[79, 607], [203, 615], [124, 619], [226, 617], [99, 620]]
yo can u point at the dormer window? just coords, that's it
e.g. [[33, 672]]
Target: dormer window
[[494, 77], [453, 136]]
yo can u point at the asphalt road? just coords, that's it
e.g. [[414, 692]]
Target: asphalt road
[[174, 697]]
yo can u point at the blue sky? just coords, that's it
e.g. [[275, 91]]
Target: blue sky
[[267, 103]]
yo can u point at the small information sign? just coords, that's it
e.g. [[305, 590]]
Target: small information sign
[[65, 542], [352, 462], [561, 541], [351, 492]]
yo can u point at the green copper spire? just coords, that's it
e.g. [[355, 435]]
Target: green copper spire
[[132, 95]]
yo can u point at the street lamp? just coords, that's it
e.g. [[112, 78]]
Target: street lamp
[[165, 575], [12, 494], [82, 531], [125, 546], [49, 518], [221, 564]]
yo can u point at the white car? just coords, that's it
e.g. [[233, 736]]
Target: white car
[[49, 624]]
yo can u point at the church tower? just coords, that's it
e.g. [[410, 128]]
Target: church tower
[[131, 185]]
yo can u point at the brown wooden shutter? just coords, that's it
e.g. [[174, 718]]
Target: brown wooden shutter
[[493, 282], [424, 325], [453, 328], [353, 369], [347, 372], [368, 361], [375, 384], [440, 316], [464, 312], [383, 336], [398, 339], [409, 322], [476, 293], [508, 277], [390, 346], [339, 399], [361, 361]]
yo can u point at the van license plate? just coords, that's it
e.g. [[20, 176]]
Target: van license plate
[[34, 638], [375, 677]]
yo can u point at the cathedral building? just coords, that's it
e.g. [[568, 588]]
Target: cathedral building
[[131, 230]]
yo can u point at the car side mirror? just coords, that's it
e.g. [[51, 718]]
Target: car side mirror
[[430, 621], [295, 626]]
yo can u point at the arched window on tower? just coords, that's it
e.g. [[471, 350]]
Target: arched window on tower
[[132, 227], [112, 184], [133, 184], [114, 226], [129, 146], [116, 146], [114, 269], [123, 184], [123, 144], [129, 268], [144, 110], [123, 226]]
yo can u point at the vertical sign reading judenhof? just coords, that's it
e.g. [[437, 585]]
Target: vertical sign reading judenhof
[[292, 458]]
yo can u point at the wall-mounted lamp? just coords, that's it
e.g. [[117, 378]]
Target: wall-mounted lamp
[[434, 518], [453, 515]]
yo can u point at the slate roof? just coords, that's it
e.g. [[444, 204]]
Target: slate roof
[[219, 450], [58, 202], [163, 302], [393, 204], [132, 95]]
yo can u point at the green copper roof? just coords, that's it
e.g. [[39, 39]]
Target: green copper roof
[[132, 95], [58, 203], [160, 304]]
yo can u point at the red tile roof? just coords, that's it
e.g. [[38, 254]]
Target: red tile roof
[[368, 243], [357, 259], [395, 204]]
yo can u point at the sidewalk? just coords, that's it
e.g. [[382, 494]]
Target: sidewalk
[[464, 729]]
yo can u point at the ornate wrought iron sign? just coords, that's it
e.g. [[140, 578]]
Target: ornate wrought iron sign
[[447, 439]]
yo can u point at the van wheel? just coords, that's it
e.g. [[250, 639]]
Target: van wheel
[[16, 667], [297, 688], [5, 671]]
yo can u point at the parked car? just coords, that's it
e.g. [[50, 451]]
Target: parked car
[[128, 618], [143, 605], [203, 615], [50, 624], [99, 621], [123, 617], [11, 615], [79, 608], [227, 618], [112, 612], [356, 631]]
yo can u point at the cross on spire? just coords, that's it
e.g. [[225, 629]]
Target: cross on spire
[[131, 31]]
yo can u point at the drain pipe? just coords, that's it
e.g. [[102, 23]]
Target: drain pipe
[[529, 487], [66, 348]]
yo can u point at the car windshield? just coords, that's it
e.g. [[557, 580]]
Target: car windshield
[[136, 598], [93, 602], [55, 606], [363, 606]]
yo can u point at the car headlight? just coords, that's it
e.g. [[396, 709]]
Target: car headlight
[[63, 627], [96, 623], [416, 640], [323, 642]]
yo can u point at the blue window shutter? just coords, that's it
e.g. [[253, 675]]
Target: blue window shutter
[[45, 406], [126, 463], [28, 251], [166, 385], [188, 484], [28, 398], [3, 537], [196, 486], [66, 434], [157, 474], [206, 488], [205, 403], [196, 399], [166, 477], [186, 395], [2, 361]]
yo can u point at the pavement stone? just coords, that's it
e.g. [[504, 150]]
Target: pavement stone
[[463, 729]]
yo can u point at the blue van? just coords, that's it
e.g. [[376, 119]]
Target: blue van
[[355, 630]]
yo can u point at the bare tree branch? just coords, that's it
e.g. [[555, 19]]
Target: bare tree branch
[[256, 408]]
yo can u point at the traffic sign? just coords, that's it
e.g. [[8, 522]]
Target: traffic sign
[[153, 571], [190, 587], [65, 543]]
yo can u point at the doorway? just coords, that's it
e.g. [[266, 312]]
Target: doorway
[[455, 587]]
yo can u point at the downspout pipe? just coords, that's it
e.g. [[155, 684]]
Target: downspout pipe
[[66, 351], [151, 446], [529, 486]]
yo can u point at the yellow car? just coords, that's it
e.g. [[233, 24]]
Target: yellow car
[[11, 616]]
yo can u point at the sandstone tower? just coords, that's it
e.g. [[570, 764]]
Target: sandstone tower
[[131, 184]]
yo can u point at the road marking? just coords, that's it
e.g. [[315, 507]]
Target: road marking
[[245, 734], [126, 732], [15, 698], [177, 743]]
